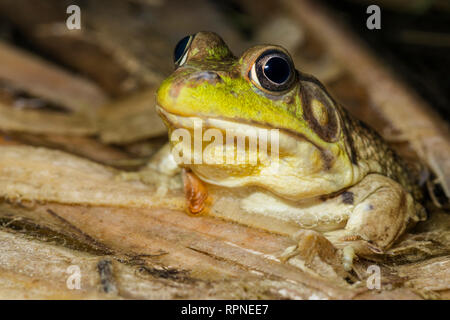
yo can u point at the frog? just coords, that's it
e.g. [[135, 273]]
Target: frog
[[331, 173]]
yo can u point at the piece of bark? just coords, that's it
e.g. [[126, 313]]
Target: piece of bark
[[429, 239], [34, 121], [39, 174], [131, 119], [48, 81], [120, 59], [429, 275], [146, 148], [38, 269], [81, 146]]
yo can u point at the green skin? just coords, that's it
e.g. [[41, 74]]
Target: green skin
[[345, 156]]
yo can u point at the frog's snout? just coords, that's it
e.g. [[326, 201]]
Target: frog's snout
[[210, 76]]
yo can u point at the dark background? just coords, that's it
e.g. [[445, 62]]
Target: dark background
[[414, 39], [415, 42]]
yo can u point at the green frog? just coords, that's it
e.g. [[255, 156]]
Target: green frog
[[324, 170]]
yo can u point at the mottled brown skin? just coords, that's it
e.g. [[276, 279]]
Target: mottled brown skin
[[366, 143]]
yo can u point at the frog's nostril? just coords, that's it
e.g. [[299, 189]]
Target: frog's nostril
[[210, 76]]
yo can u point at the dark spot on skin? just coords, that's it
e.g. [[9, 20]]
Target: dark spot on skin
[[371, 206], [327, 158], [347, 197]]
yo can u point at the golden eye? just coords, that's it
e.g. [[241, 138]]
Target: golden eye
[[273, 71]]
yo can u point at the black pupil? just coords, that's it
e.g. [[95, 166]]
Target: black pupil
[[277, 70], [180, 48]]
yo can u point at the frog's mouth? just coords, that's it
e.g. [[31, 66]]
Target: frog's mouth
[[284, 163], [276, 141]]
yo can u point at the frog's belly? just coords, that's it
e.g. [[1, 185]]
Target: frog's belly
[[263, 210], [315, 214]]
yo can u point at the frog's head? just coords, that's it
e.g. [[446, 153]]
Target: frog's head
[[261, 90]]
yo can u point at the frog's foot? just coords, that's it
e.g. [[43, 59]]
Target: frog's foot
[[196, 193], [315, 254], [381, 214]]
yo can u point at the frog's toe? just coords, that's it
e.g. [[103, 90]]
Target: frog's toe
[[315, 254], [348, 255], [288, 253], [309, 244]]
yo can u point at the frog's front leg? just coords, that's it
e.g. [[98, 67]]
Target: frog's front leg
[[382, 211]]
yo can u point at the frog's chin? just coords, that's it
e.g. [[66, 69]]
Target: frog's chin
[[274, 159]]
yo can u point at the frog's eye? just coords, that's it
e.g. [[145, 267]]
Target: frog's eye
[[273, 71], [181, 50]]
